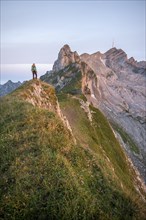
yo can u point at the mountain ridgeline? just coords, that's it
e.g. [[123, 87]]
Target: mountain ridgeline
[[114, 84], [60, 156], [8, 87]]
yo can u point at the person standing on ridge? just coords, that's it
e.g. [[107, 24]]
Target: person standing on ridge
[[34, 71]]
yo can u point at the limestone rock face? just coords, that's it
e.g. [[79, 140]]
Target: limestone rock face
[[118, 88], [65, 58], [66, 71], [114, 84]]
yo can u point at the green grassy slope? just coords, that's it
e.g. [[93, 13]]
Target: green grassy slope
[[44, 175], [98, 137]]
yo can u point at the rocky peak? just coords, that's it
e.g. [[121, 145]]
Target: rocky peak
[[117, 58], [9, 82], [141, 64], [8, 87], [84, 56], [116, 55], [66, 49], [65, 58], [131, 60], [134, 63]]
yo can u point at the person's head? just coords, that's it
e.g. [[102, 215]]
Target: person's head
[[33, 64]]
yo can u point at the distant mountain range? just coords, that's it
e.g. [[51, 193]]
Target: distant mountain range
[[8, 87]]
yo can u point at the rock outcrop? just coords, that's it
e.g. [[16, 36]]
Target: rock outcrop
[[66, 71], [65, 58], [43, 96]]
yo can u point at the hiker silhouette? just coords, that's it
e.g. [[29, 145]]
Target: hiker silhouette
[[34, 71]]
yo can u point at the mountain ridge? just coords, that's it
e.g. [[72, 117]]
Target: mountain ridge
[[114, 84], [45, 174]]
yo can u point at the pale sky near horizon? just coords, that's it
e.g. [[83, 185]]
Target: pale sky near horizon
[[35, 31]]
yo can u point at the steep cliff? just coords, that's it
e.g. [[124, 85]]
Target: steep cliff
[[119, 91]]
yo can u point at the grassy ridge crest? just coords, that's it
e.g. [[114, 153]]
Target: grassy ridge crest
[[44, 175]]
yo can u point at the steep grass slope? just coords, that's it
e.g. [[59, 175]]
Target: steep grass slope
[[45, 175]]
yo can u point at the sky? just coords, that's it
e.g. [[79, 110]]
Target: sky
[[35, 31]]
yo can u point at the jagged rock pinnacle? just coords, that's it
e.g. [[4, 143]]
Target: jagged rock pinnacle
[[65, 57]]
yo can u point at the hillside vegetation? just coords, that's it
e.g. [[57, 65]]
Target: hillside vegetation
[[45, 174]]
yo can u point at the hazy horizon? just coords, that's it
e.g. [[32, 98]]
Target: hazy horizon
[[86, 26], [21, 72]]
